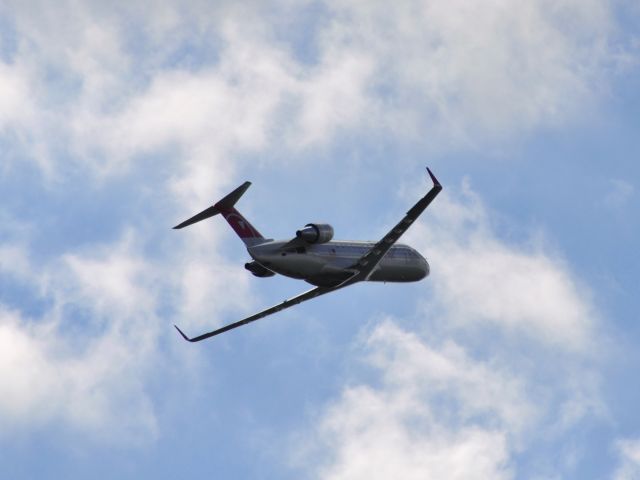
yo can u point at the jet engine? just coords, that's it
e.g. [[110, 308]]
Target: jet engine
[[316, 233], [258, 270]]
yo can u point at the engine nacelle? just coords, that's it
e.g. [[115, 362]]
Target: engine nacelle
[[316, 233], [258, 270]]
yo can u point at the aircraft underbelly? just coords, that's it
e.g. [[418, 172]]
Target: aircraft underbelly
[[296, 265], [398, 273], [389, 270]]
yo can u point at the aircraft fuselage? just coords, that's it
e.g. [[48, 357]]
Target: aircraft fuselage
[[330, 263]]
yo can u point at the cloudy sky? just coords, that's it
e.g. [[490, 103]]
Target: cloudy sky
[[517, 358]]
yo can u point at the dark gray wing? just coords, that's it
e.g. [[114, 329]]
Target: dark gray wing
[[313, 293], [370, 260]]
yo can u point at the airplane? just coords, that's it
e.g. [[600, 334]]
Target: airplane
[[313, 256]]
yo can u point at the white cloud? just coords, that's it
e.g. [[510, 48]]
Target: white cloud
[[88, 359], [14, 261], [85, 361], [629, 452], [114, 282], [437, 414], [475, 388], [216, 79], [619, 194], [16, 105], [466, 71], [98, 389], [478, 279], [334, 96], [434, 410]]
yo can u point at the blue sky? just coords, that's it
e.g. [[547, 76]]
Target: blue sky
[[516, 358]]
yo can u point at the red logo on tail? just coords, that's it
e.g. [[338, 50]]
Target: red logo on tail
[[240, 224]]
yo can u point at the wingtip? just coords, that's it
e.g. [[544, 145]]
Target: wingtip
[[182, 334], [435, 181]]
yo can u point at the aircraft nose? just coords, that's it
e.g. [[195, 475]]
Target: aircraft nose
[[426, 267]]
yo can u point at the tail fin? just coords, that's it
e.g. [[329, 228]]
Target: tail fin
[[247, 232]]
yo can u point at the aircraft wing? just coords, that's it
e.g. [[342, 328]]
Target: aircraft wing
[[308, 295], [370, 260]]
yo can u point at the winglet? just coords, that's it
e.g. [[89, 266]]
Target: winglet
[[183, 335], [435, 181]]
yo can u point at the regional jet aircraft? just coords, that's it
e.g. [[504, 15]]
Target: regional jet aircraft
[[313, 256]]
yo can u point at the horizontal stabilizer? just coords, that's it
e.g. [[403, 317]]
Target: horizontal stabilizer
[[209, 212], [223, 205], [230, 200]]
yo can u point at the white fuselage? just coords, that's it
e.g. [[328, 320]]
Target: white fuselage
[[330, 263]]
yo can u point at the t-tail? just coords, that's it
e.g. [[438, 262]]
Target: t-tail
[[247, 232]]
